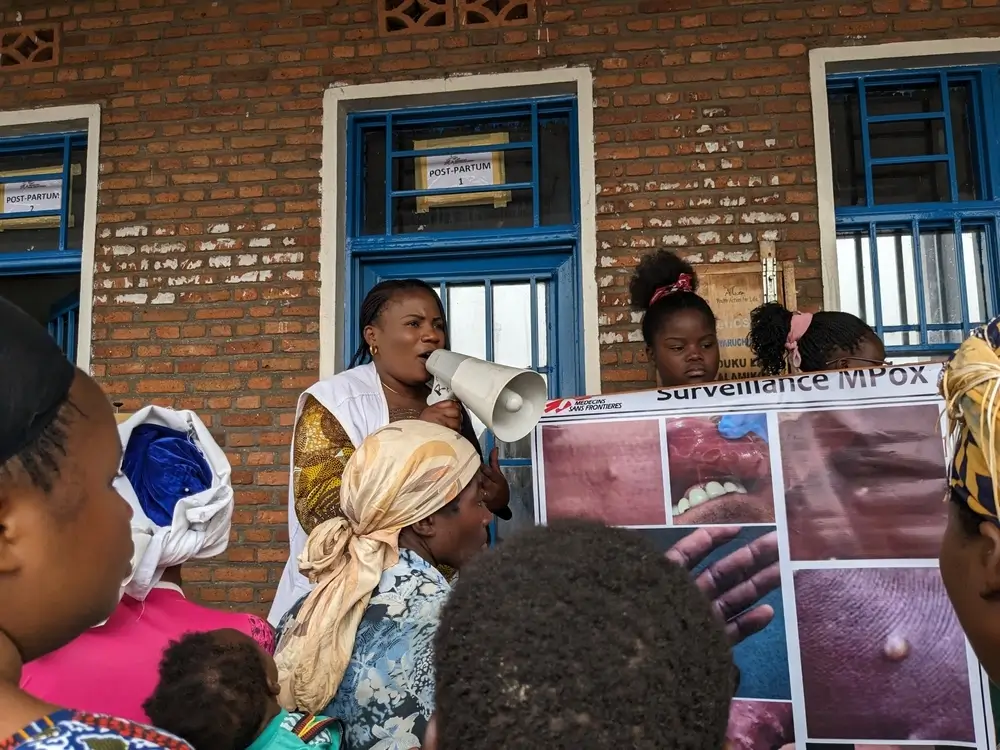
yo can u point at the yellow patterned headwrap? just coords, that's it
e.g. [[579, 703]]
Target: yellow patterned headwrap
[[400, 475], [970, 385]]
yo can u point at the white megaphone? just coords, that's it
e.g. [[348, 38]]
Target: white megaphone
[[508, 400]]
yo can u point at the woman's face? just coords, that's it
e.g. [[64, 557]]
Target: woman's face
[[969, 569], [686, 350], [409, 328], [460, 529], [870, 352], [64, 554]]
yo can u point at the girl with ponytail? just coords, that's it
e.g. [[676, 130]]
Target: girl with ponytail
[[785, 341], [678, 326]]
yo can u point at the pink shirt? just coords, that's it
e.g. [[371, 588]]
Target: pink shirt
[[113, 669]]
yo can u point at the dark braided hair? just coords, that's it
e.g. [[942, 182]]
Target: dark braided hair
[[41, 459], [593, 639], [374, 303], [658, 270], [769, 327], [213, 691]]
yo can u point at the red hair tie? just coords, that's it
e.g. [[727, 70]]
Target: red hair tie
[[684, 283]]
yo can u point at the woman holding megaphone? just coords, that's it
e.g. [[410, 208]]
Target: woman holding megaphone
[[401, 323]]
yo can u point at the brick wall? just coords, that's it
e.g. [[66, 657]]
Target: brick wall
[[206, 291]]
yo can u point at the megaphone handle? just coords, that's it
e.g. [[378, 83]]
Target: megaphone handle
[[439, 392]]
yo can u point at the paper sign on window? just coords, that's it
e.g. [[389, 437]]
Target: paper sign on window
[[447, 172], [32, 196]]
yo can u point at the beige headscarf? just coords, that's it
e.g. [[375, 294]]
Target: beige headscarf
[[400, 475]]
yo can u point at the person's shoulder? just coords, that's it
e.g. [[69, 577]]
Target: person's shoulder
[[314, 731], [79, 730], [413, 577]]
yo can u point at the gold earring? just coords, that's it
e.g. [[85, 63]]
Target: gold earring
[[374, 350]]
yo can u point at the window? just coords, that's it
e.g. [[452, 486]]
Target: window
[[42, 197], [915, 191], [482, 202]]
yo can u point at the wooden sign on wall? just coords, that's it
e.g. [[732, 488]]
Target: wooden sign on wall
[[733, 290]]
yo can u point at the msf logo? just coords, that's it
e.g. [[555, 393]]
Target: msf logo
[[563, 404]]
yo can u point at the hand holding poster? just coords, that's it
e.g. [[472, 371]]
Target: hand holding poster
[[809, 509]]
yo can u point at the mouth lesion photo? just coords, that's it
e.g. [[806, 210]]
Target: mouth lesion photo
[[720, 470]]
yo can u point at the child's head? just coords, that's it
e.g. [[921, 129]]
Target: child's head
[[217, 690], [678, 326], [578, 635], [830, 341]]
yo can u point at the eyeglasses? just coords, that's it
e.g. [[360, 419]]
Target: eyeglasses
[[863, 362]]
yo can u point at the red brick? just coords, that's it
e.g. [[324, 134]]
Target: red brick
[[212, 128]]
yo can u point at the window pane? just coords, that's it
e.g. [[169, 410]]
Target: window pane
[[42, 233], [506, 210], [888, 140], [845, 143], [897, 285], [512, 328], [522, 502], [541, 294], [467, 319], [911, 183], [896, 99], [442, 211], [555, 172], [974, 268], [467, 329], [965, 149], [373, 174], [406, 137], [939, 250], [854, 275]]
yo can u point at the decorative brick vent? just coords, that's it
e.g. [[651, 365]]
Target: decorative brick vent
[[29, 47], [403, 17], [491, 14]]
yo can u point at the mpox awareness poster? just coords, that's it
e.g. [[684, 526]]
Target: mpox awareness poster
[[815, 501]]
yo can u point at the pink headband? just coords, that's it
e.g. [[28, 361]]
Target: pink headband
[[800, 324], [683, 284]]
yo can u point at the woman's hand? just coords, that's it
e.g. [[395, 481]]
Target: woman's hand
[[496, 491], [737, 581], [445, 413]]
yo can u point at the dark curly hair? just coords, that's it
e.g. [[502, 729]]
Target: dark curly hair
[[213, 691], [374, 303], [657, 270], [579, 635], [771, 322]]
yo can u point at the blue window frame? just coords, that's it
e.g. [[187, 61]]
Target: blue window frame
[[917, 201], [502, 252], [64, 324], [43, 240]]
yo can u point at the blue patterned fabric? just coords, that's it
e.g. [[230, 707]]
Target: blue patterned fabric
[[387, 695], [77, 730], [163, 466]]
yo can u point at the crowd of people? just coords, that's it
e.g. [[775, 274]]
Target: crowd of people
[[396, 624]]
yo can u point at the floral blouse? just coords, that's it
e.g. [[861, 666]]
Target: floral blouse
[[387, 695]]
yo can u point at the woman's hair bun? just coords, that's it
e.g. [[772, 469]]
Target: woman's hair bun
[[769, 327], [655, 271]]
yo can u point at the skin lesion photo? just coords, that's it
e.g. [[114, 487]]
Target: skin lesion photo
[[864, 484], [720, 470], [760, 725], [883, 657], [609, 471]]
